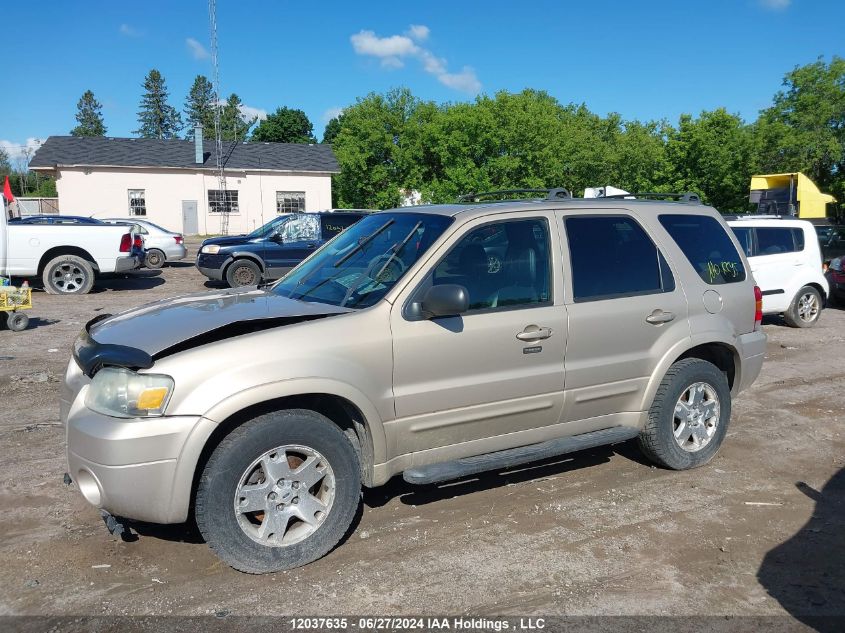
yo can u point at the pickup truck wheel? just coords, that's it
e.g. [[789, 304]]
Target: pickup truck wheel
[[689, 416], [155, 259], [279, 492], [243, 272], [68, 274], [805, 309], [17, 321]]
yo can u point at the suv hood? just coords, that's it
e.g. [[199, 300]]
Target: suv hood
[[229, 240], [203, 317]]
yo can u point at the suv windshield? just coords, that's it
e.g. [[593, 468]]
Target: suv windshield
[[359, 266], [266, 229]]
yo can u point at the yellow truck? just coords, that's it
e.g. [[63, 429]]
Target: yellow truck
[[791, 194]]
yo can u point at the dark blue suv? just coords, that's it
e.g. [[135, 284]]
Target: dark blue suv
[[273, 249]]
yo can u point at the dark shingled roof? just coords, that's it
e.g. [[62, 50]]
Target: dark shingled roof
[[149, 152]]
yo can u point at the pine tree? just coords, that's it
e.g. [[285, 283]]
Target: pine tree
[[199, 108], [89, 117], [234, 126], [157, 118]]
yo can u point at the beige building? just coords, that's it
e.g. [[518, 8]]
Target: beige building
[[175, 182]]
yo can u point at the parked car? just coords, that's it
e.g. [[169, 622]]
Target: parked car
[[395, 349], [786, 262], [835, 276], [67, 257], [54, 219], [271, 250], [162, 246], [831, 240]]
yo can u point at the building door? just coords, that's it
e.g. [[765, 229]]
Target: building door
[[190, 226]]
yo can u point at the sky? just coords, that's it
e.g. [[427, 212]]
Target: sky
[[646, 59]]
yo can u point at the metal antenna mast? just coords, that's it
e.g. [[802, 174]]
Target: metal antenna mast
[[218, 132]]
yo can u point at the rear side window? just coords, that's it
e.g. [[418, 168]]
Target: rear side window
[[333, 224], [774, 241], [707, 246], [612, 256]]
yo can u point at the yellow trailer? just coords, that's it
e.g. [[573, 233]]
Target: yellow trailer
[[790, 194], [12, 301]]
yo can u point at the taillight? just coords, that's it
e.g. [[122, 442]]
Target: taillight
[[125, 243], [139, 242], [758, 306], [178, 239]]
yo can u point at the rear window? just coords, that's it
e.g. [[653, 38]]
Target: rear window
[[707, 246], [775, 241]]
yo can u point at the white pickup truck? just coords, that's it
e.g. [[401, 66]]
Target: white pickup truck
[[67, 257]]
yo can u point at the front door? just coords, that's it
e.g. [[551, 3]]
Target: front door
[[625, 312], [190, 225], [293, 240], [498, 368]]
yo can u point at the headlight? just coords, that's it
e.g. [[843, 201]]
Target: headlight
[[122, 393], [211, 249]]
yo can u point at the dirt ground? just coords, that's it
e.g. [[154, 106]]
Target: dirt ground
[[760, 530]]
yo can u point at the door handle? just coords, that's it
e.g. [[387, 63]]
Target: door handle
[[534, 333], [659, 316]]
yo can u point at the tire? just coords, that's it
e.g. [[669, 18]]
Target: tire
[[68, 275], [155, 259], [805, 309], [701, 436], [17, 321], [239, 536], [243, 272]]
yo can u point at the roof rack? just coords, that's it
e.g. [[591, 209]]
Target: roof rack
[[558, 193], [690, 197]]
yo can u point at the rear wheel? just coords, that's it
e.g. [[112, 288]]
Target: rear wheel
[[278, 492], [155, 259], [805, 309], [68, 274], [243, 272], [689, 416], [17, 321]]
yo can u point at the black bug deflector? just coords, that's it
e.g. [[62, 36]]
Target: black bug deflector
[[91, 356]]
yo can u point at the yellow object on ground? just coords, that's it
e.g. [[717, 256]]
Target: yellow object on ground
[[13, 298]]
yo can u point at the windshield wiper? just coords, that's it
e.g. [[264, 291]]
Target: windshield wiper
[[363, 242], [398, 248]]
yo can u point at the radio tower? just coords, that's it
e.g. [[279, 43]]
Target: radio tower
[[218, 132]]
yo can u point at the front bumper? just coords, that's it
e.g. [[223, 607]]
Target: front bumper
[[752, 349], [124, 264], [212, 265], [139, 469]]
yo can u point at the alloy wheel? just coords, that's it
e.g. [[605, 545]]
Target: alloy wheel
[[696, 417]]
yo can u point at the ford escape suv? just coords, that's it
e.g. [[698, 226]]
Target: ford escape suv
[[403, 346]]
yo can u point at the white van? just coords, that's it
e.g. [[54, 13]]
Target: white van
[[786, 262]]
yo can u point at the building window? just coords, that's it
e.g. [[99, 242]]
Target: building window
[[290, 202], [222, 201], [137, 202]]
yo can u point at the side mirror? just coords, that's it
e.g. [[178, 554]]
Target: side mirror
[[443, 301], [277, 237]]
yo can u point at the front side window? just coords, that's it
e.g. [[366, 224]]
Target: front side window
[[612, 256], [707, 246], [222, 201], [290, 202], [137, 202], [501, 265], [302, 227], [745, 237], [365, 261]]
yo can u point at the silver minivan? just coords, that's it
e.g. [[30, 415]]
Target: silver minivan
[[432, 342]]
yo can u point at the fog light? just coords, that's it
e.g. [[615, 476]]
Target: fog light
[[89, 487]]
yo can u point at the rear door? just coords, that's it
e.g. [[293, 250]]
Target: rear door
[[776, 262], [625, 312]]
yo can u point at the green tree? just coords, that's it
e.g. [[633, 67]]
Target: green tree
[[157, 118], [804, 129], [199, 108], [89, 116], [234, 126], [5, 163], [713, 156], [332, 129], [285, 125]]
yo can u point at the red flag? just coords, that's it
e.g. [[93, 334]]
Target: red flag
[[7, 191]]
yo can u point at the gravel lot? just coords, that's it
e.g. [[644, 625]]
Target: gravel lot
[[760, 530]]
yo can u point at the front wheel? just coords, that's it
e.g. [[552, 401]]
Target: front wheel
[[243, 272], [278, 492], [805, 309], [689, 416]]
